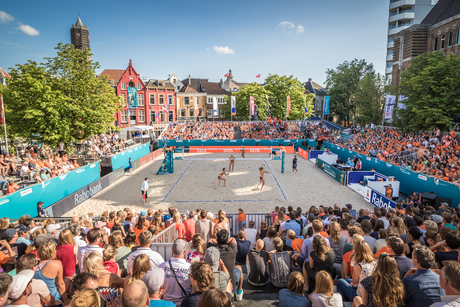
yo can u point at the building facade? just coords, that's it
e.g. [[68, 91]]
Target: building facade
[[191, 104], [79, 35], [151, 102], [3, 76], [402, 15], [439, 31], [319, 92], [230, 84]]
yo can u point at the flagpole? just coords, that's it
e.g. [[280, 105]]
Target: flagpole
[[4, 124], [305, 103]]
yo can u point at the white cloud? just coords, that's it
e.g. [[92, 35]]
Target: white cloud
[[290, 27], [28, 29], [300, 29], [223, 50], [5, 17], [286, 25]]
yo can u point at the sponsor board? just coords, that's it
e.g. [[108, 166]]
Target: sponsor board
[[331, 171], [303, 153], [26, 191], [422, 177], [66, 204], [378, 200], [118, 174]]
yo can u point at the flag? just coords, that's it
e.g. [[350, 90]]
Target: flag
[[2, 120], [233, 98], [389, 105], [251, 105], [158, 117], [226, 75], [288, 105], [215, 107], [306, 110], [268, 107], [258, 76]]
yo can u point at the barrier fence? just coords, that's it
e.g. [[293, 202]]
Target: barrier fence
[[122, 159], [409, 180], [331, 171]]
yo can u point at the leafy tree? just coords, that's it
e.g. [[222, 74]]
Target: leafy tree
[[370, 99], [282, 86], [432, 87], [62, 99], [342, 84]]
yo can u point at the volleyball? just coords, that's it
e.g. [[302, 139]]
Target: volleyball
[[263, 164]]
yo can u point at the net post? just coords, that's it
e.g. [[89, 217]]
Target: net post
[[282, 161]]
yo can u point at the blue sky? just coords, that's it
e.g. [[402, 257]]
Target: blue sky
[[203, 38]]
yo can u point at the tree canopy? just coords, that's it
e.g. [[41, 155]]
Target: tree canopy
[[432, 87], [62, 100], [277, 88], [370, 99]]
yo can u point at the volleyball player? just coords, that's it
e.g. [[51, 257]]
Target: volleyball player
[[231, 164], [262, 177], [242, 151], [221, 177]]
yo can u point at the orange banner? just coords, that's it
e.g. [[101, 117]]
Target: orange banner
[[237, 149]]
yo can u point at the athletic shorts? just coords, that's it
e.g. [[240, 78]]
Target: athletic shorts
[[242, 224], [144, 192]]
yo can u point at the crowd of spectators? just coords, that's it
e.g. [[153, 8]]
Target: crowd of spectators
[[402, 257], [200, 130]]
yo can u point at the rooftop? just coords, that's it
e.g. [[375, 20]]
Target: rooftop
[[443, 10]]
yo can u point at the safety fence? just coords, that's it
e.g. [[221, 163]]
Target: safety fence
[[332, 171], [409, 181], [122, 159]]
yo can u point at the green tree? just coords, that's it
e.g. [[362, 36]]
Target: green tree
[[342, 84], [282, 86], [62, 99], [432, 87], [370, 99]]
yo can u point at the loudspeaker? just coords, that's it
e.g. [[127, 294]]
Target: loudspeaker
[[429, 199], [440, 200]]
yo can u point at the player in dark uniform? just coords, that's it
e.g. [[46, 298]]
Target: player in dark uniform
[[294, 164], [221, 177]]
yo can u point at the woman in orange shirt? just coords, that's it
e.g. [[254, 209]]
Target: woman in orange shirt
[[140, 227], [241, 218]]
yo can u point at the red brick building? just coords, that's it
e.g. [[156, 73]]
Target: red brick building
[[148, 103]]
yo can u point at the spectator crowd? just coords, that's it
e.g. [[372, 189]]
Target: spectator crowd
[[323, 257]]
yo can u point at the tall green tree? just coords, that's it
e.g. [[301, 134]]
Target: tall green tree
[[342, 84], [432, 87], [61, 99], [370, 99], [282, 86]]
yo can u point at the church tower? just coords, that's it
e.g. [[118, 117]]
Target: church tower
[[79, 35]]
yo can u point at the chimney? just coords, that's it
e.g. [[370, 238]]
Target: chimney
[[189, 80], [309, 79]]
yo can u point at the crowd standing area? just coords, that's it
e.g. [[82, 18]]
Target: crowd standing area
[[322, 257], [36, 163]]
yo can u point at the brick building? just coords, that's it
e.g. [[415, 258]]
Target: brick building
[[149, 102], [439, 31]]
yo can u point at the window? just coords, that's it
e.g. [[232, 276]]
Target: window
[[139, 86], [161, 99], [152, 117], [458, 36], [191, 112], [391, 39], [123, 86], [174, 80], [389, 64], [141, 116], [390, 52], [443, 41], [197, 100], [124, 117], [220, 101], [162, 117], [200, 112], [209, 113], [183, 112], [140, 100], [209, 100], [170, 99], [152, 99], [435, 44], [186, 101], [451, 38]]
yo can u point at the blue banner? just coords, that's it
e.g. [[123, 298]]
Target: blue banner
[[50, 191], [122, 159], [132, 98], [378, 200], [326, 105]]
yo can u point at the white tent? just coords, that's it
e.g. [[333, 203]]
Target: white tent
[[149, 131]]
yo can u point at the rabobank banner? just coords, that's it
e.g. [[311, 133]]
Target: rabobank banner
[[50, 191], [378, 200], [122, 159]]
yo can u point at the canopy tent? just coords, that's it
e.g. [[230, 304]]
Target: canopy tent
[[149, 130]]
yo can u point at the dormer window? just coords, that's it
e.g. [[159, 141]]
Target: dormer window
[[123, 86], [139, 86]]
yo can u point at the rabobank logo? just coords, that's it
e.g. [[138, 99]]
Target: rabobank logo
[[380, 201], [4, 201], [92, 166]]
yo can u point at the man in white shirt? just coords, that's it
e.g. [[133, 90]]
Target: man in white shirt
[[251, 234], [145, 189], [177, 274], [24, 169], [144, 248], [94, 237], [449, 281]]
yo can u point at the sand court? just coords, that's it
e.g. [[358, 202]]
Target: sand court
[[192, 186]]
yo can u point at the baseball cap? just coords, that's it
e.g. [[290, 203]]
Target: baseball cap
[[436, 218], [52, 227], [445, 204], [144, 213], [22, 227], [41, 239], [146, 178], [179, 247], [154, 279], [211, 257], [100, 224], [40, 203], [20, 283], [9, 233]]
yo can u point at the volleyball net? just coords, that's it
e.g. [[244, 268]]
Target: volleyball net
[[223, 153]]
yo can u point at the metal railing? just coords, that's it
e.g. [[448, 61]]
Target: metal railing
[[410, 154], [455, 127], [162, 243]]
